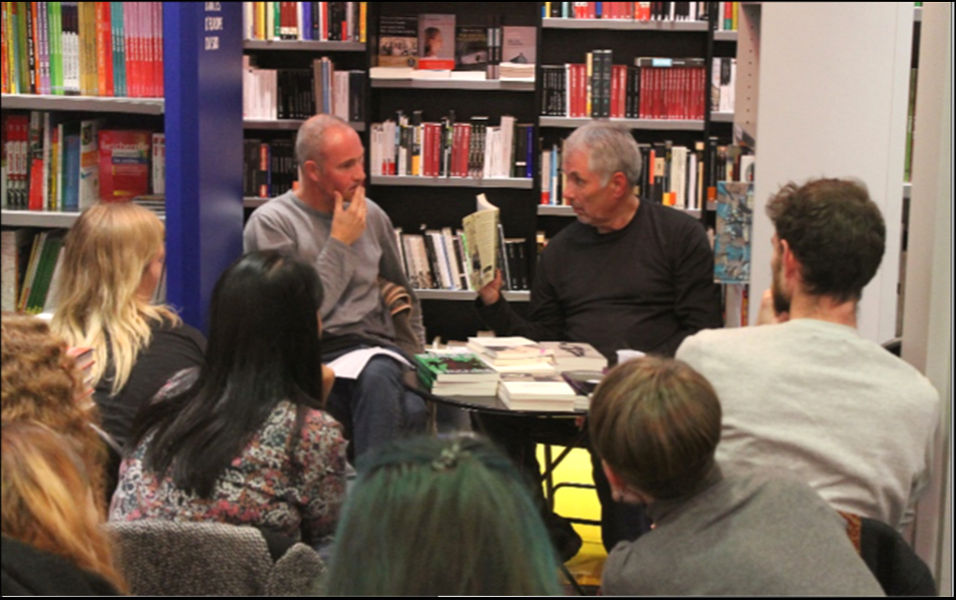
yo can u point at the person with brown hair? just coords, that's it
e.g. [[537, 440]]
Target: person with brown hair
[[655, 424], [53, 543], [113, 261], [859, 422], [41, 383]]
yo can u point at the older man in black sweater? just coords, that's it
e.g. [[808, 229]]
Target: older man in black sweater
[[626, 275]]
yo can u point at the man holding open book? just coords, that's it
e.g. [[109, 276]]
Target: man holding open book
[[626, 275]]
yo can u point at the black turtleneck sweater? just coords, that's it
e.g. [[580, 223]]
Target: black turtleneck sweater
[[644, 287]]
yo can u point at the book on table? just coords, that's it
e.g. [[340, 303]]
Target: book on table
[[456, 374], [536, 391], [509, 348], [575, 356]]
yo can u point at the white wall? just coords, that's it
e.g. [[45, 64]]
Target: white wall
[[833, 89], [927, 311]]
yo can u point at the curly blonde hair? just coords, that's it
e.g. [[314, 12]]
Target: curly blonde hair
[[105, 255], [48, 502], [41, 383]]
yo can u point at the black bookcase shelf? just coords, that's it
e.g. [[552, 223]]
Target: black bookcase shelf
[[465, 295], [457, 182], [300, 45], [655, 124], [490, 85], [623, 24], [286, 124]]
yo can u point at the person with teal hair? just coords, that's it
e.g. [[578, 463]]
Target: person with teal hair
[[441, 516]]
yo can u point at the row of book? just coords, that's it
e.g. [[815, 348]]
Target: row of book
[[83, 48], [633, 11], [727, 13], [269, 167], [311, 21], [31, 260], [57, 163], [440, 259], [672, 175], [654, 88], [270, 94], [438, 41], [407, 145]]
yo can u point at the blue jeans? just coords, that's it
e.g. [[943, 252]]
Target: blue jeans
[[376, 407]]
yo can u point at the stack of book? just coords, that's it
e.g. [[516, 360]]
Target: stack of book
[[456, 374], [545, 391], [513, 354]]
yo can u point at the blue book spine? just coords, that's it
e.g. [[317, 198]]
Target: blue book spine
[[306, 25], [71, 172]]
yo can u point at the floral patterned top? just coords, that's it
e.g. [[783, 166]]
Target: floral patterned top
[[297, 495]]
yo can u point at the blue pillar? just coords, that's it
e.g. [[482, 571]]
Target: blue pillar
[[202, 58]]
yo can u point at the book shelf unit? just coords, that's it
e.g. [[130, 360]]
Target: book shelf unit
[[200, 99], [79, 105], [295, 54], [567, 40], [415, 202]]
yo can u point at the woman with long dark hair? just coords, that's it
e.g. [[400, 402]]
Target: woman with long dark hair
[[243, 439]]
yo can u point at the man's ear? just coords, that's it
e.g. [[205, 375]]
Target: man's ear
[[310, 171], [789, 261], [619, 183]]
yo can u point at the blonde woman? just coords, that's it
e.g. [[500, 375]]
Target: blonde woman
[[112, 264], [52, 540], [42, 384]]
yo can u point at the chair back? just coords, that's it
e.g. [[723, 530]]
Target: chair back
[[173, 558], [898, 569]]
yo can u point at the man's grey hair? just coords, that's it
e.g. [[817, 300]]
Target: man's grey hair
[[308, 142], [610, 148]]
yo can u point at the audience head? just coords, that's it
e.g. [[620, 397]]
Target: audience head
[[610, 148], [432, 516], [113, 260], [41, 383], [263, 348], [836, 233], [264, 323], [655, 423], [48, 500]]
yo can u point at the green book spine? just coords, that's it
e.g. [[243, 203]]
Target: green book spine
[[55, 10]]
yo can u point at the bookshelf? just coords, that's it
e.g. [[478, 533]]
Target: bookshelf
[[495, 85], [287, 124], [200, 117], [417, 202], [647, 124], [517, 183], [622, 25]]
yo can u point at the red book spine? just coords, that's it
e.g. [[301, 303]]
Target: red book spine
[[263, 170], [104, 50], [325, 21], [157, 49], [465, 150]]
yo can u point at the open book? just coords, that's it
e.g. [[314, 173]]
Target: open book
[[482, 238]]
